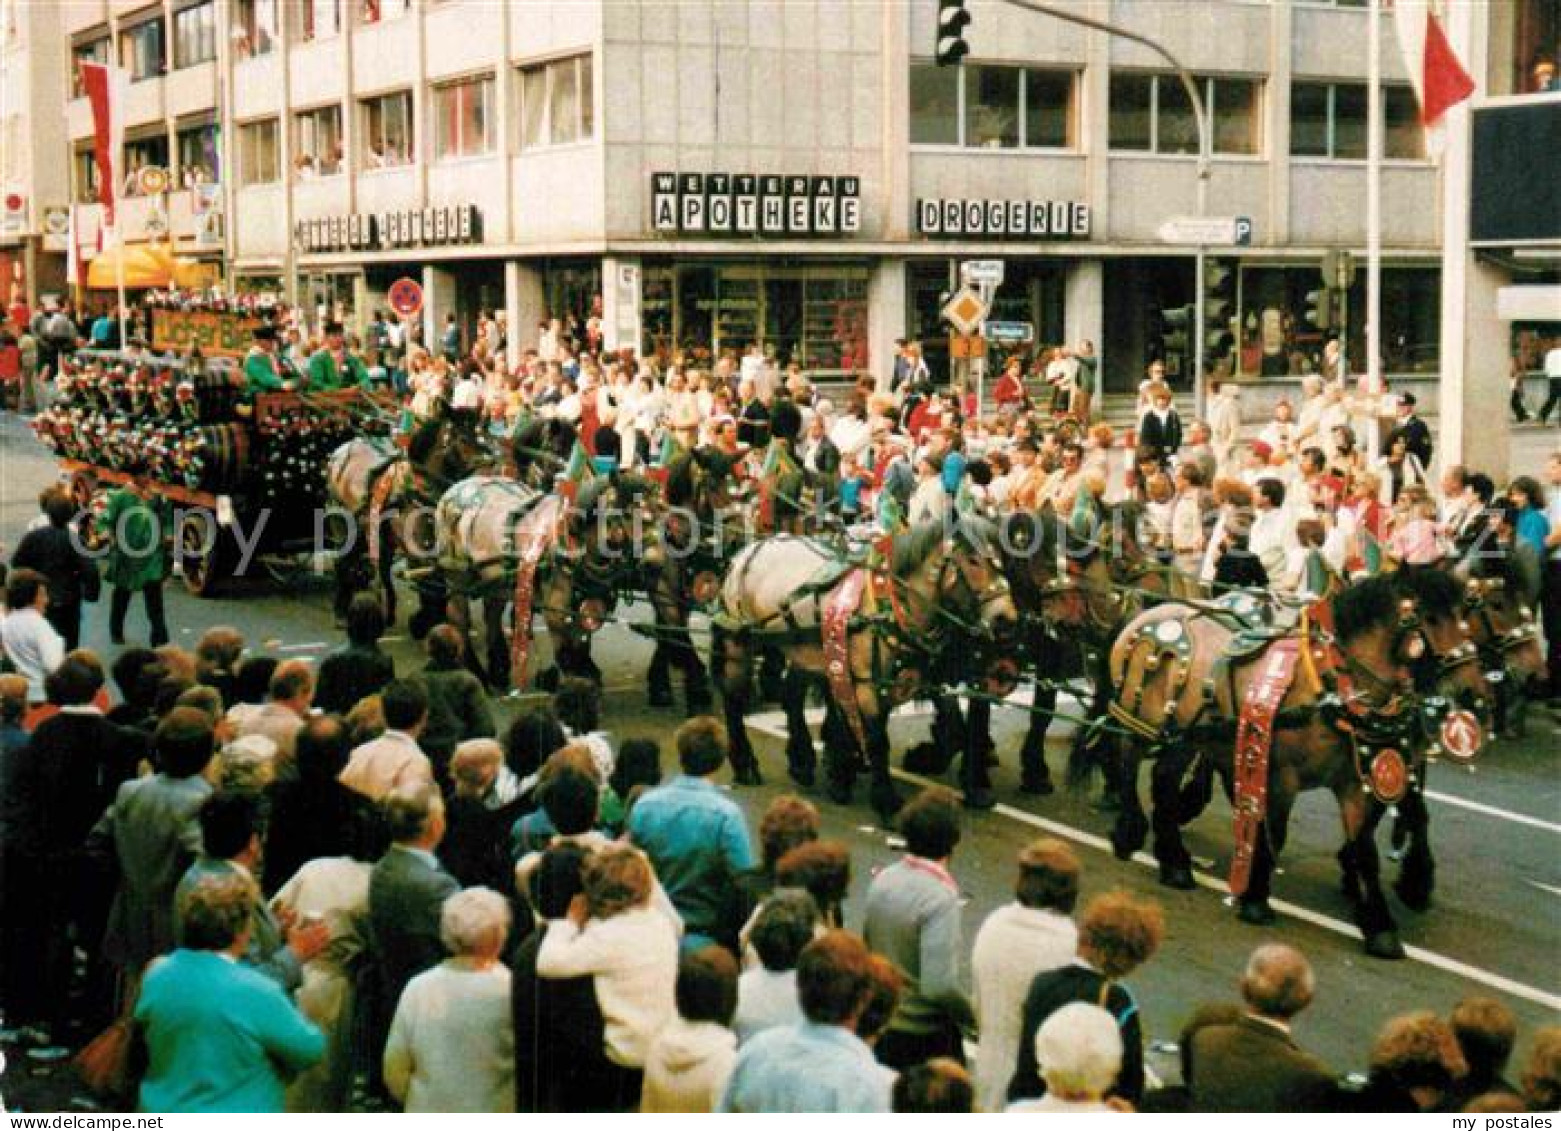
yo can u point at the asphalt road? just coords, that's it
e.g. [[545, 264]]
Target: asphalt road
[[1496, 829]]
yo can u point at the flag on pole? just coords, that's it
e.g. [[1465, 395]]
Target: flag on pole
[[1435, 71], [104, 87]]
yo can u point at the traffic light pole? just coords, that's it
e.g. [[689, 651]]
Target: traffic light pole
[[1204, 149]]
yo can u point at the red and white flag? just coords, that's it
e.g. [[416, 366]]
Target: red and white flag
[[104, 87], [1435, 70]]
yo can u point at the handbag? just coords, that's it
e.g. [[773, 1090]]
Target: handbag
[[112, 1063]]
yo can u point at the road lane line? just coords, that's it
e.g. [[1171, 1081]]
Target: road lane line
[[311, 647], [773, 724], [1543, 887], [1492, 811]]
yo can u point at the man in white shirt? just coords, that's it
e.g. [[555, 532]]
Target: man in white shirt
[[394, 760], [1273, 533], [1552, 379], [30, 642], [1225, 423]]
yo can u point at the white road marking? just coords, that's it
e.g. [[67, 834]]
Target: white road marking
[[313, 646], [773, 723], [1543, 887], [1492, 811]]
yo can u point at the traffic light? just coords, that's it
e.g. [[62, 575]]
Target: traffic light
[[951, 47], [1219, 310], [1319, 308], [1176, 336]]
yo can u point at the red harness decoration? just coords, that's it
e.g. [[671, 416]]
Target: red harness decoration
[[839, 607], [1254, 738], [377, 500], [537, 531]]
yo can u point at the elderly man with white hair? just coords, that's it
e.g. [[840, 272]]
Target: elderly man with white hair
[[1079, 1050], [452, 1043]]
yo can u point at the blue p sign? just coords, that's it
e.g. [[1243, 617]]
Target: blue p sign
[[1243, 231]]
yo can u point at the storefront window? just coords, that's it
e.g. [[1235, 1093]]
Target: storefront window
[[1278, 341], [464, 115], [992, 107], [813, 315], [259, 152], [318, 138], [199, 146], [387, 131], [195, 34]]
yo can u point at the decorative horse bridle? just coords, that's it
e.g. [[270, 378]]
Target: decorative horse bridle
[[1493, 652]]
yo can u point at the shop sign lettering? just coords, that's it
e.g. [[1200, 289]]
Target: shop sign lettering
[[217, 334], [1003, 219], [750, 204], [390, 231]]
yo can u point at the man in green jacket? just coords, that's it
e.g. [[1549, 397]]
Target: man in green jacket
[[136, 522], [266, 370], [334, 367]]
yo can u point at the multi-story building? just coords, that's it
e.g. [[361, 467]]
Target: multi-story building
[[34, 186], [795, 173]]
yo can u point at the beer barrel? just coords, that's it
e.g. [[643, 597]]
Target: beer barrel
[[221, 453]]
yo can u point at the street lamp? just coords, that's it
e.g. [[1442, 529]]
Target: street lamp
[[1204, 149]]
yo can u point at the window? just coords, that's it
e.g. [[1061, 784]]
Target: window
[[387, 131], [557, 102], [318, 140], [195, 34], [254, 28], [464, 118], [934, 104], [84, 176], [143, 153], [198, 147], [259, 152], [1329, 120], [373, 11], [321, 19], [143, 49], [991, 107], [90, 51], [1152, 113]]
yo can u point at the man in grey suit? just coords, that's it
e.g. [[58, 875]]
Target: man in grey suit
[[230, 840], [151, 831], [1254, 1064], [407, 890]]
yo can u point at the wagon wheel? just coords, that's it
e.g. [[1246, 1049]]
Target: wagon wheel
[[201, 548]]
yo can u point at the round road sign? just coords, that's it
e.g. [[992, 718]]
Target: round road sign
[[405, 297], [1461, 735]]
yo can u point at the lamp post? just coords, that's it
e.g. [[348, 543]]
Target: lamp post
[[1200, 116]]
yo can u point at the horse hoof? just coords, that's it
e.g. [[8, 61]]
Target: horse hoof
[[925, 758], [1177, 876], [1257, 912], [1415, 896], [1126, 840], [1384, 944], [803, 779], [747, 774], [1037, 786], [980, 798]]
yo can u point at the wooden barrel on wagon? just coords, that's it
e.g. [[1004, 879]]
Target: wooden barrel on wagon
[[219, 456]]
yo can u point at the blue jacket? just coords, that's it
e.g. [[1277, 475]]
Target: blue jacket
[[697, 839], [807, 1068], [216, 1034]]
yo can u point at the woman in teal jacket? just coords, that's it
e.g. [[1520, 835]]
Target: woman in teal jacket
[[136, 524], [219, 1035]]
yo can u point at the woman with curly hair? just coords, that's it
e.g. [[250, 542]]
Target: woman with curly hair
[[1541, 1081], [613, 934], [1118, 933], [1416, 1065]]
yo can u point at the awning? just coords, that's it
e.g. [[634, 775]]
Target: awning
[[145, 265]]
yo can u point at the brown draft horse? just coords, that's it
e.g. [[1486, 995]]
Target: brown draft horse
[[1182, 674]]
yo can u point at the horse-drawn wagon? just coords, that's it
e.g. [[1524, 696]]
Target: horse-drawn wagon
[[239, 470]]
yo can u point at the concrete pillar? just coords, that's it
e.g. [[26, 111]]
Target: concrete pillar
[[438, 301], [524, 306], [885, 318], [1472, 415], [621, 288], [1084, 315]]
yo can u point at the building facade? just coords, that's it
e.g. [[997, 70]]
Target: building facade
[[34, 182], [714, 173]]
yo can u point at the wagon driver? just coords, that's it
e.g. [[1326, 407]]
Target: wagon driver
[[266, 370]]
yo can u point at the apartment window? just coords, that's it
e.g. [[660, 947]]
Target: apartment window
[[556, 102], [321, 19], [387, 139], [991, 107], [465, 118], [1152, 113], [259, 152], [318, 136], [254, 27], [84, 176], [1330, 120], [373, 11], [198, 148], [149, 152], [195, 34], [143, 50], [90, 51]]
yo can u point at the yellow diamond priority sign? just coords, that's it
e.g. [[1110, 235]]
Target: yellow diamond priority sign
[[965, 311]]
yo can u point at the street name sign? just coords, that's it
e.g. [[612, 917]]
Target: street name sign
[[1208, 231]]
